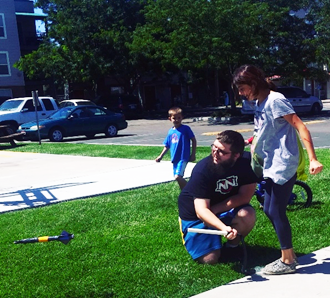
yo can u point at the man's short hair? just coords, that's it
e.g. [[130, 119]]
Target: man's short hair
[[174, 111], [232, 138]]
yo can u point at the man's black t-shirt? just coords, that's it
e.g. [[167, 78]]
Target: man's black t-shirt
[[212, 182]]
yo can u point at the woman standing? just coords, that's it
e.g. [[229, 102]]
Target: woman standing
[[275, 155]]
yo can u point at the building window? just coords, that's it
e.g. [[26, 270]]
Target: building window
[[2, 26], [4, 64]]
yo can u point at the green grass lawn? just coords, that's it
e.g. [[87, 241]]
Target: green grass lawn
[[128, 244]]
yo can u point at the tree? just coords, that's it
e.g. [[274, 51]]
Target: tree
[[318, 14], [86, 40], [203, 40], [216, 36]]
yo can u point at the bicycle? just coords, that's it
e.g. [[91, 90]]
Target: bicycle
[[301, 196]]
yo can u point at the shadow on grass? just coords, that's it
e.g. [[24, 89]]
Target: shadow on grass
[[315, 205], [98, 137], [295, 207], [260, 256], [71, 139], [257, 256], [5, 147]]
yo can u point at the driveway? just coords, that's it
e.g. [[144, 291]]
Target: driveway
[[33, 180]]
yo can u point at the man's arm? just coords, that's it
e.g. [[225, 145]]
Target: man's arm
[[244, 196], [204, 213]]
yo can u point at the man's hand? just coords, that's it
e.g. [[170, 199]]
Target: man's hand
[[232, 233], [159, 158]]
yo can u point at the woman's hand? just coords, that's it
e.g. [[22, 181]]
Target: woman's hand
[[315, 167]]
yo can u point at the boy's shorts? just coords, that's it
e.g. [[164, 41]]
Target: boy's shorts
[[198, 244], [179, 168]]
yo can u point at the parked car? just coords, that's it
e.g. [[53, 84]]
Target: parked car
[[75, 102], [248, 107], [16, 111], [75, 121], [301, 101]]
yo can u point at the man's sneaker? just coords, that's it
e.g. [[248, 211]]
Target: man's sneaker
[[278, 267]]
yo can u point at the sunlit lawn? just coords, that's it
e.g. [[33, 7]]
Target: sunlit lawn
[[128, 244]]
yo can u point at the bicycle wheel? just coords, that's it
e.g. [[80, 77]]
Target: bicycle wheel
[[301, 196]]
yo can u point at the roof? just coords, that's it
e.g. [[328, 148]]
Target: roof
[[37, 16], [75, 99], [27, 97]]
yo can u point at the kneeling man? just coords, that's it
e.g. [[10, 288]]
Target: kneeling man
[[217, 196]]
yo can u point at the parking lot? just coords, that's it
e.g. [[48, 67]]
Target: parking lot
[[151, 132]]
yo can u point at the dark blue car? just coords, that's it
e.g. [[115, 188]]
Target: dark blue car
[[75, 121]]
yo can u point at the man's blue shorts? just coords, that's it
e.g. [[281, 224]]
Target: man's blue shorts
[[179, 168], [199, 245]]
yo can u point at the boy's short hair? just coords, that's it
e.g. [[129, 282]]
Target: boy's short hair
[[174, 111], [232, 138]]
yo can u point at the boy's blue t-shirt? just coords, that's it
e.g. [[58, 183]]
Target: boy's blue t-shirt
[[178, 140]]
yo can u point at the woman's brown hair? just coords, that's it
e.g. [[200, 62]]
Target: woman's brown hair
[[252, 76]]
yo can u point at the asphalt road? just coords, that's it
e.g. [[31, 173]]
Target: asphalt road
[[152, 132]]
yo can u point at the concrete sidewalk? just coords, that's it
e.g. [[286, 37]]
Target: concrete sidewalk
[[310, 281], [31, 180]]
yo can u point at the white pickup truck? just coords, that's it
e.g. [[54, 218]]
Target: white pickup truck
[[15, 111]]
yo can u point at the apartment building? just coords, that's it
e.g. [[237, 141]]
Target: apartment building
[[17, 37]]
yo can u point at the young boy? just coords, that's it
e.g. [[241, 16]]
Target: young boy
[[178, 141]]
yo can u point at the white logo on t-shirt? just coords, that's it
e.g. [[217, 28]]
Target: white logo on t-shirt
[[225, 185]]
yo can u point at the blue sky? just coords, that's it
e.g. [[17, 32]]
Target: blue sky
[[40, 26]]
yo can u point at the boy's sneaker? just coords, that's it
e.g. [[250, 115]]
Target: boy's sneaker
[[278, 267]]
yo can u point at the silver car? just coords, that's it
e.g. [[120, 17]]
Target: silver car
[[301, 101], [75, 102]]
